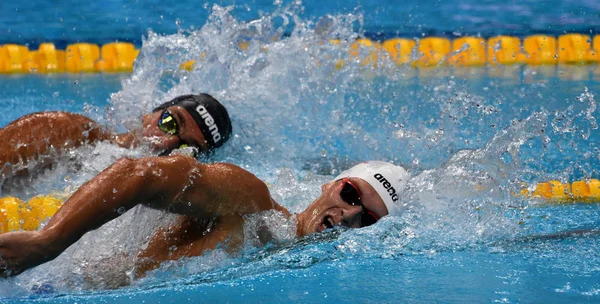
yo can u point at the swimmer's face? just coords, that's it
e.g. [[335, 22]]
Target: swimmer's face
[[330, 209], [183, 127]]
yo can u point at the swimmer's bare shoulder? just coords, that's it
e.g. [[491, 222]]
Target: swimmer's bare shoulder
[[180, 184], [38, 134], [213, 203]]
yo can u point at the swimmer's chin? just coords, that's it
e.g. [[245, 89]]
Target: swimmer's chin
[[156, 145], [153, 141]]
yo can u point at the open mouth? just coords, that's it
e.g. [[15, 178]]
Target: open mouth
[[327, 222]]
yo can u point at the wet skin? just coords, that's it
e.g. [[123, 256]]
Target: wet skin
[[42, 136], [330, 210], [39, 136], [188, 130], [199, 193]]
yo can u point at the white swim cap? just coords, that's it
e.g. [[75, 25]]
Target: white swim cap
[[387, 179]]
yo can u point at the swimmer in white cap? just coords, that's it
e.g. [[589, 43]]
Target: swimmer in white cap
[[211, 202], [357, 197]]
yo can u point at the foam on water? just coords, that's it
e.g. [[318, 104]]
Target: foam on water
[[298, 120]]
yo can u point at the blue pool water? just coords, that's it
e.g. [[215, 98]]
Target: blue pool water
[[100, 22], [469, 137]]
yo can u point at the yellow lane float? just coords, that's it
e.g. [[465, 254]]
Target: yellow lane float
[[427, 52], [583, 191], [16, 214]]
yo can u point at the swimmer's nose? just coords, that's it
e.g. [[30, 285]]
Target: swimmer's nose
[[152, 130], [148, 121], [351, 216]]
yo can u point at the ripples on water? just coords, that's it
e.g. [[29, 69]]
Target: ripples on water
[[469, 141]]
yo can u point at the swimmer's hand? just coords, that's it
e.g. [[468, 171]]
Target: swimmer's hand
[[20, 251]]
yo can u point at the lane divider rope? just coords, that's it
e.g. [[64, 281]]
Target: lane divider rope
[[16, 214], [554, 191], [428, 52]]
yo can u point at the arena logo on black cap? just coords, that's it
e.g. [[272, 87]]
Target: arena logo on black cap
[[209, 121]]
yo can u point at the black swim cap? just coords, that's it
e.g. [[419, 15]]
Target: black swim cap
[[210, 116]]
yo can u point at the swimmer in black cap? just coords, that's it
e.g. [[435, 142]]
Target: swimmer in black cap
[[169, 125], [198, 121]]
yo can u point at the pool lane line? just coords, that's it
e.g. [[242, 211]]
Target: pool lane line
[[16, 214], [428, 52], [554, 191]]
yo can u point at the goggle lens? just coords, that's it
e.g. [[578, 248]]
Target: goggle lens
[[351, 195], [167, 123]]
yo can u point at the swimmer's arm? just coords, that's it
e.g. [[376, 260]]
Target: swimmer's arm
[[39, 134], [178, 183]]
